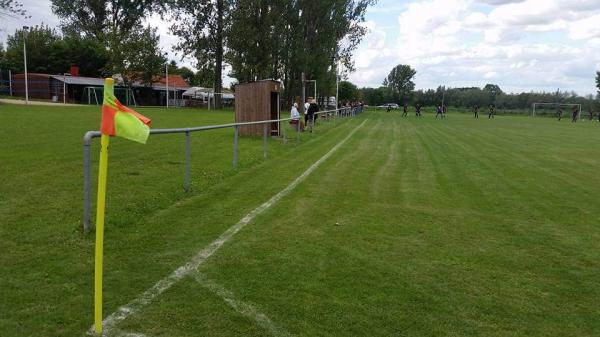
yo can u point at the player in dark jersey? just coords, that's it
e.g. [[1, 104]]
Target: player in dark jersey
[[439, 112], [405, 112], [575, 113], [418, 110], [559, 113], [476, 111], [492, 111], [591, 114], [443, 111]]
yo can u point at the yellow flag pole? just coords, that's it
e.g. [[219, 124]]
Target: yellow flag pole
[[104, 140]]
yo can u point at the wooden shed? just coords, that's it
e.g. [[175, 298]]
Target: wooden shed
[[257, 101]]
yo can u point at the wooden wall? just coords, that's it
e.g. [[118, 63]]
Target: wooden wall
[[253, 103]]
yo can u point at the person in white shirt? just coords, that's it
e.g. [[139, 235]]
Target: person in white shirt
[[295, 115], [306, 106]]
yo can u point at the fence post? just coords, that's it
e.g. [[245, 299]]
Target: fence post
[[186, 179], [265, 127], [235, 146], [283, 127], [10, 81], [86, 182]]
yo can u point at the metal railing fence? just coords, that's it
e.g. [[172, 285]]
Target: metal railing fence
[[90, 135]]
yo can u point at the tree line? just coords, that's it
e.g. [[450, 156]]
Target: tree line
[[268, 39], [398, 87]]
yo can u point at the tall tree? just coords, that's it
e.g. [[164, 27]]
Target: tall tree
[[282, 39], [111, 22], [200, 25], [348, 91], [48, 52], [400, 82], [144, 58], [598, 81], [87, 53], [40, 42]]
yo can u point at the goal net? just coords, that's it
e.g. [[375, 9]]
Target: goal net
[[555, 109]]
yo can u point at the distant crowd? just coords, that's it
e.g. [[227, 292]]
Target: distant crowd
[[311, 112]]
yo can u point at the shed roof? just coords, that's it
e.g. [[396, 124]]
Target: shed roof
[[79, 80]]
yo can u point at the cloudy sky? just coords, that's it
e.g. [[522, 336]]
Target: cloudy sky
[[521, 45]]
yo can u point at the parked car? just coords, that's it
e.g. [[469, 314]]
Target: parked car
[[389, 105]]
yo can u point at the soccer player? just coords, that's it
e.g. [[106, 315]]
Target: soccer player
[[444, 111], [591, 115], [476, 111], [313, 108], [440, 112], [405, 113], [418, 110], [575, 114], [492, 111], [559, 112]]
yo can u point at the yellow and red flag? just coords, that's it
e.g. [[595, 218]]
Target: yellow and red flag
[[119, 120]]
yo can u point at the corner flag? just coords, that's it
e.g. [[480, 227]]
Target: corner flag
[[117, 120]]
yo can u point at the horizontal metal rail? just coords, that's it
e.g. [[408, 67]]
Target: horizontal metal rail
[[90, 135]]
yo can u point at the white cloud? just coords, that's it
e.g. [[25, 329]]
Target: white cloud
[[521, 45]]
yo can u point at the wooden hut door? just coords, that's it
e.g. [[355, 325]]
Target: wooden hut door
[[274, 113]]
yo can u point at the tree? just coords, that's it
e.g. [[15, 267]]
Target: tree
[[400, 82], [598, 81], [493, 91], [3, 62], [201, 27], [87, 53], [144, 57], [112, 23], [40, 42], [282, 39], [12, 8], [48, 52], [348, 91]]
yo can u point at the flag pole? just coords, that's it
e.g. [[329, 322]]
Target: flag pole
[[104, 140], [100, 206]]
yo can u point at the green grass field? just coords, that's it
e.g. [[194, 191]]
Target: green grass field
[[454, 227]]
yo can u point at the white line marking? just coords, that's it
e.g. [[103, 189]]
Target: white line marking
[[241, 307], [111, 321]]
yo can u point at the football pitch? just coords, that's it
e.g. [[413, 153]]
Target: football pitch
[[373, 226]]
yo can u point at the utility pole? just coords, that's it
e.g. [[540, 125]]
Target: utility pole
[[25, 28], [64, 88], [303, 94], [167, 82], [337, 88]]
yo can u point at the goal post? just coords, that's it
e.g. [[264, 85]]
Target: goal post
[[536, 107]]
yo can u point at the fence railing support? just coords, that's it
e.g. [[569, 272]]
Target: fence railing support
[[186, 179], [236, 134], [265, 140], [87, 159], [283, 128]]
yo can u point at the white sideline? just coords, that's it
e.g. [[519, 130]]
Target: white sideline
[[241, 307], [112, 320]]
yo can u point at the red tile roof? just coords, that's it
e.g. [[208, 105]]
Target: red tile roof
[[174, 80]]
